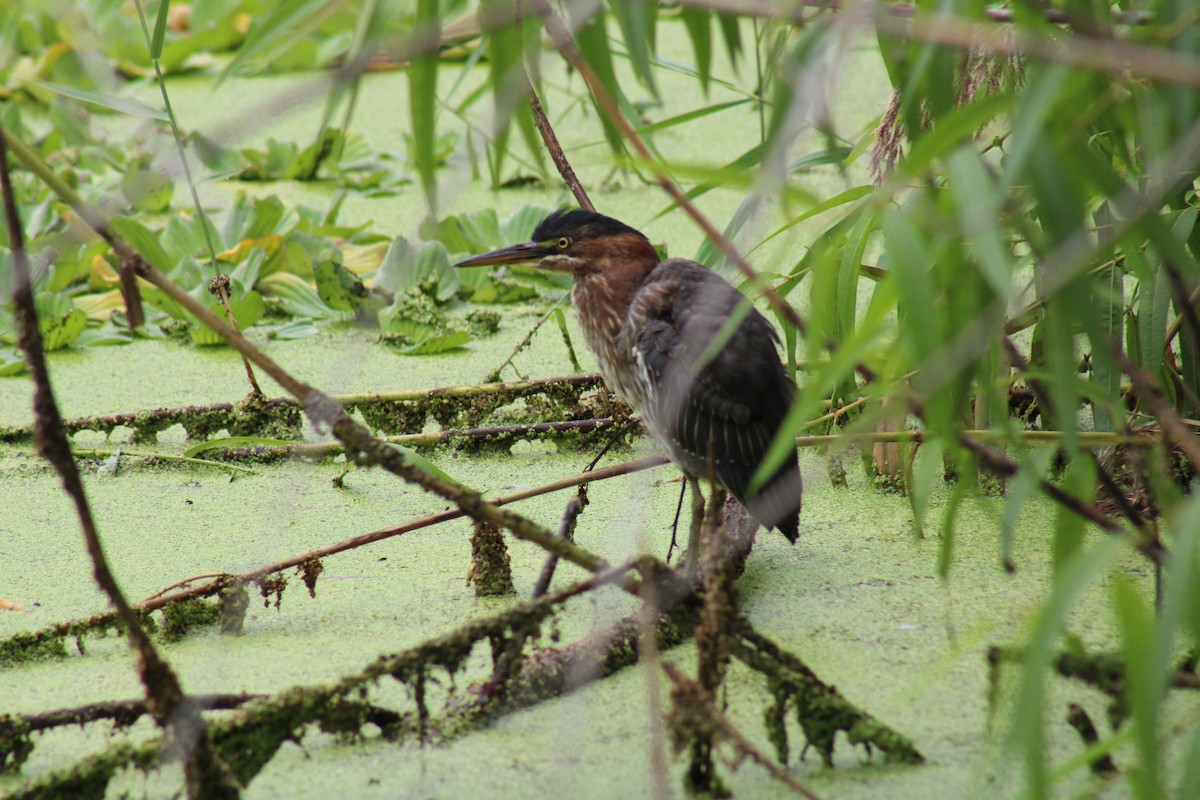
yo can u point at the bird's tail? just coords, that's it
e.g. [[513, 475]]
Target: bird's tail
[[777, 505]]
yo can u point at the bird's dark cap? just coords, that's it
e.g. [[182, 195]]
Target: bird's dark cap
[[580, 224]]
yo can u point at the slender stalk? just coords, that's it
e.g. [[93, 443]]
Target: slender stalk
[[91, 452], [183, 160], [555, 149]]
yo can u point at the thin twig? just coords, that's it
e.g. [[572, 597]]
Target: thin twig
[[220, 287], [1116, 57], [1020, 437], [229, 411], [494, 375], [555, 149], [434, 519], [566, 530]]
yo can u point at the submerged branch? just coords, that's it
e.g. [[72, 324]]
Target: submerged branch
[[699, 703], [200, 421]]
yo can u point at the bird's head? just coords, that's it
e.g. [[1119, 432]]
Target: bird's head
[[578, 242]]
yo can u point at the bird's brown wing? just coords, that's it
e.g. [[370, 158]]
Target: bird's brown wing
[[727, 404]]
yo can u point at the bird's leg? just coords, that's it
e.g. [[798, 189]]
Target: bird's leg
[[675, 524], [693, 550]]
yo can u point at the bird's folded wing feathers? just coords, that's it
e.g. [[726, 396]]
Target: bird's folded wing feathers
[[738, 396]]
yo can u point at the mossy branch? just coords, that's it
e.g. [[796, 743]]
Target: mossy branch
[[820, 708]]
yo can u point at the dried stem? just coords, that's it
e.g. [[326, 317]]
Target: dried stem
[[220, 287], [222, 415], [566, 530], [555, 149], [321, 449]]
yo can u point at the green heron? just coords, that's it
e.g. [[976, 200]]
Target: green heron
[[650, 325]]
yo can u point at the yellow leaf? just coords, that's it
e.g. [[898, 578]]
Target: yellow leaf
[[99, 307], [361, 259], [268, 244], [102, 275]]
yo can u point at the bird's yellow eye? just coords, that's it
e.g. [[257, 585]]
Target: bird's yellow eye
[[563, 242]]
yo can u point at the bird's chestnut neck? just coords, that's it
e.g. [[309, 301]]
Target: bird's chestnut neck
[[609, 274]]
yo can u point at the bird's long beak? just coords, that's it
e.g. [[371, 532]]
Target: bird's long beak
[[513, 254]]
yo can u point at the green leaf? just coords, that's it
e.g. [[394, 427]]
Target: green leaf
[[637, 18], [1028, 732], [422, 88], [424, 267], [296, 296], [592, 40], [504, 46], [952, 129], [59, 320], [908, 256], [144, 241], [218, 158], [689, 116], [978, 205], [1144, 682], [122, 105], [708, 254], [1028, 130], [160, 29], [925, 469], [412, 318], [840, 199], [404, 328], [148, 190], [498, 290], [102, 337], [10, 363], [697, 22], [337, 287], [848, 272], [1154, 301], [1017, 492], [418, 460], [436, 344], [731, 31], [232, 442], [247, 310], [282, 27], [296, 329]]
